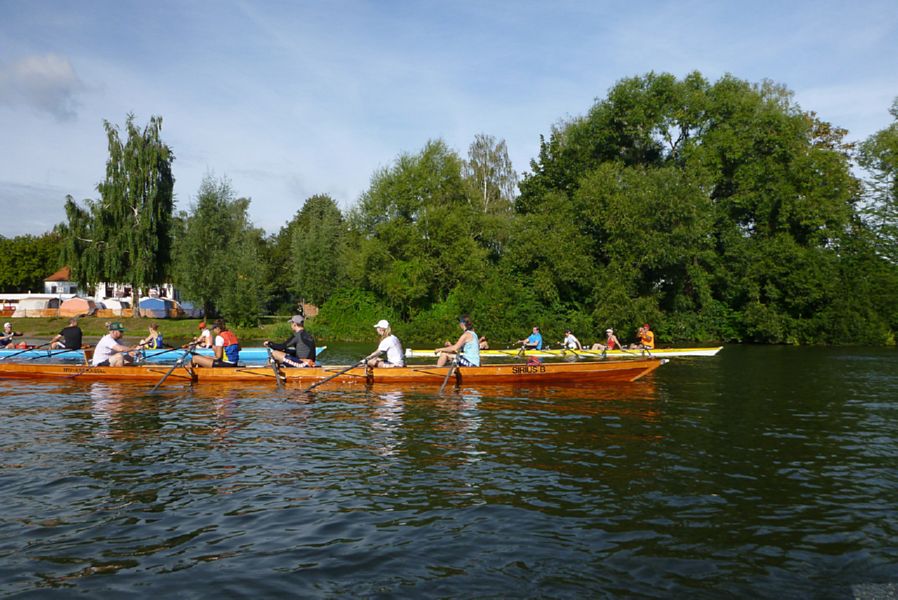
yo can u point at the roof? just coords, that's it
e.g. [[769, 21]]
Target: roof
[[63, 274]]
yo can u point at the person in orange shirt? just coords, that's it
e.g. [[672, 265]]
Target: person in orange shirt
[[646, 339]]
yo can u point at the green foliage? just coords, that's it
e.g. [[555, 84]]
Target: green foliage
[[26, 260], [879, 156], [413, 232], [317, 242], [218, 255], [350, 314], [126, 234]]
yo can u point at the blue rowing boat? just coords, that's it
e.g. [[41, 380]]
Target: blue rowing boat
[[247, 355]]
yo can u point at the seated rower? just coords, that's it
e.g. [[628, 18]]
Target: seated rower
[[646, 339], [6, 338], [225, 347], [466, 351], [153, 341], [70, 338], [534, 341], [299, 350], [389, 345], [570, 341], [109, 352], [484, 344], [204, 339], [611, 341]]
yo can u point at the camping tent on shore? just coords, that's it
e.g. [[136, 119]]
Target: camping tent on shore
[[37, 307], [155, 308], [77, 307]]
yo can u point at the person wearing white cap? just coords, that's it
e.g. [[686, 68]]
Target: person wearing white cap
[[299, 350], [611, 341], [390, 345], [6, 338]]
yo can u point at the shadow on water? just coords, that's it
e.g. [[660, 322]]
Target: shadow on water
[[761, 472]]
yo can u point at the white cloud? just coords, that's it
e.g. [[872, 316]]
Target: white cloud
[[46, 83]]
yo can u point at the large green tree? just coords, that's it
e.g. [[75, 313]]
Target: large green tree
[[125, 235], [217, 255], [414, 232], [879, 156], [317, 244], [716, 209]]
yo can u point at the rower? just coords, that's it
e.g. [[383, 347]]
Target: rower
[[6, 339], [611, 341], [70, 338], [299, 349], [226, 348], [204, 339], [466, 351], [534, 341], [109, 352], [389, 345], [570, 341], [154, 340], [646, 339]]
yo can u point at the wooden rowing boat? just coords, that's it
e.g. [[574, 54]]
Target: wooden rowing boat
[[558, 353], [170, 355], [555, 373]]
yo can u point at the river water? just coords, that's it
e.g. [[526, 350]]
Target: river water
[[762, 472]]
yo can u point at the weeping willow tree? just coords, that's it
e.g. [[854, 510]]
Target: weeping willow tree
[[125, 235]]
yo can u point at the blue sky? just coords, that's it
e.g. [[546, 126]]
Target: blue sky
[[290, 99]]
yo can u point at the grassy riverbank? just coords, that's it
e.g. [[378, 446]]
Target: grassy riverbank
[[175, 331]]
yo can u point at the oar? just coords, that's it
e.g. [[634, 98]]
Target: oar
[[177, 364], [452, 366], [326, 379], [277, 372], [24, 351]]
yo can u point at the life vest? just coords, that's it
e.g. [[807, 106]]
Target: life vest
[[647, 339], [155, 343], [231, 351]]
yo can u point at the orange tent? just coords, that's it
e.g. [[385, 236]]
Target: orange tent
[[77, 307]]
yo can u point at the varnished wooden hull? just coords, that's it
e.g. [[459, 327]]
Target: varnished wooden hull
[[549, 373]]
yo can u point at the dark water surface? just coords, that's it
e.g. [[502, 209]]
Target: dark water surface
[[762, 472]]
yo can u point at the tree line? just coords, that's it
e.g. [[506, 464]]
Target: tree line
[[714, 211]]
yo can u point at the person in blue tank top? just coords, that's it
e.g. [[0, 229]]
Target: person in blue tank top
[[466, 351]]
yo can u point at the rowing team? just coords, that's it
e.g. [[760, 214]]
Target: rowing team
[[298, 351], [644, 334]]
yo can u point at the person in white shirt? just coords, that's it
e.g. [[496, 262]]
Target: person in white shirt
[[204, 339], [570, 341], [109, 353], [390, 345]]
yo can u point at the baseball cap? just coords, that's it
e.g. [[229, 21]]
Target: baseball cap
[[202, 325], [298, 319], [116, 326], [609, 330], [7, 324], [383, 324]]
